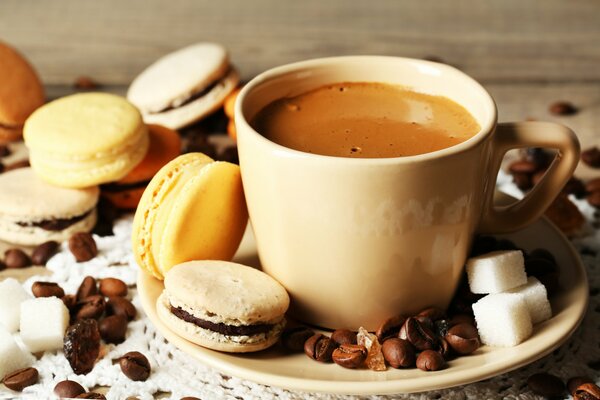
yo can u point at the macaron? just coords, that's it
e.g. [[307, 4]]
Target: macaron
[[85, 139], [184, 86], [165, 145], [223, 306], [33, 212], [193, 209], [21, 92]]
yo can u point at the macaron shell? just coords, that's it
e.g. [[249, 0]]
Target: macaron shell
[[179, 117], [21, 91], [178, 75]]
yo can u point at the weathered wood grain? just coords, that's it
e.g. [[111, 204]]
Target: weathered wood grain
[[502, 41]]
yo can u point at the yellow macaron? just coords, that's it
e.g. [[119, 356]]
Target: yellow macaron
[[85, 139], [193, 209]]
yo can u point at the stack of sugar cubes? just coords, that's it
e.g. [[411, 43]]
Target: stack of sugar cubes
[[41, 323], [514, 302]]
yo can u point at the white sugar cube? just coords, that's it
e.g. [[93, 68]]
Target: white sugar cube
[[496, 272], [43, 323], [12, 295], [12, 357], [503, 319], [536, 298]]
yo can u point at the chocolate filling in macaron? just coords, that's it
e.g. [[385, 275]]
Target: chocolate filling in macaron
[[224, 329], [57, 224], [114, 187]]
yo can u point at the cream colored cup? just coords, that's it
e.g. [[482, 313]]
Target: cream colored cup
[[355, 241]]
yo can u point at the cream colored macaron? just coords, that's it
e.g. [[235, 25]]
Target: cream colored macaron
[[193, 209], [85, 139], [223, 305]]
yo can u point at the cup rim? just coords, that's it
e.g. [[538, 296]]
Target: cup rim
[[487, 127]]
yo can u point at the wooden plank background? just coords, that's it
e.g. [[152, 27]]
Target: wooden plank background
[[494, 41]]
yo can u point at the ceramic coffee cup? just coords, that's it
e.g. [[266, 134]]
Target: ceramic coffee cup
[[355, 241]]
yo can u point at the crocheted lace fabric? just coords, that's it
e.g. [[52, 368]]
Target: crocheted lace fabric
[[175, 374]]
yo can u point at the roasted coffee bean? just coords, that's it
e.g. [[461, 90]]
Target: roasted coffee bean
[[70, 302], [575, 382], [121, 306], [91, 395], [563, 108], [575, 187], [523, 167], [461, 318], [190, 398], [293, 338], [505, 244], [426, 322], [319, 347], [107, 213], [545, 254], [430, 360], [482, 245], [20, 379], [463, 338], [2, 167], [441, 327], [4, 150], [44, 252], [68, 389], [587, 391], [343, 336], [87, 288], [546, 385], [523, 181], [83, 246], [544, 270], [432, 313], [389, 328], [591, 157], [113, 287], [85, 83], [594, 198], [135, 366], [592, 185], [2, 265], [16, 165], [82, 345], [47, 289], [444, 349], [399, 353], [112, 329], [16, 258], [537, 155], [419, 335], [91, 307], [350, 355]]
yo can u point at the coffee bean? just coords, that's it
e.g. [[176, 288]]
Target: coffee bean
[[293, 338], [82, 345], [592, 185], [419, 335], [522, 181], [343, 336], [17, 165], [575, 382], [463, 338], [389, 328], [399, 353], [113, 287], [563, 108], [544, 270], [68, 389], [91, 395], [319, 347], [190, 398], [592, 198], [121, 306], [537, 155], [83, 246], [91, 307], [482, 245], [430, 360], [113, 328], [587, 391], [85, 83], [44, 252], [444, 349], [4, 150], [135, 366], [70, 302], [2, 265], [523, 167], [350, 355], [543, 253], [87, 288], [47, 289], [546, 385], [16, 258], [20, 379], [433, 313], [591, 157]]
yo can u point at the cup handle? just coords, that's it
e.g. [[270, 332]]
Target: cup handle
[[513, 135]]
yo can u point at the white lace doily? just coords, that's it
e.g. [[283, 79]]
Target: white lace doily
[[175, 374]]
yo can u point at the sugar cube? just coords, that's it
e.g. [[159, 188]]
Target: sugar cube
[[12, 295], [44, 321], [536, 298], [12, 357], [503, 319], [496, 272]]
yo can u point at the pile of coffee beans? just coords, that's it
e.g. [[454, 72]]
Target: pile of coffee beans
[[551, 386], [17, 258], [72, 390]]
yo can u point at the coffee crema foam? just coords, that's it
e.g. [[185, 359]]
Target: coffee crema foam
[[365, 120]]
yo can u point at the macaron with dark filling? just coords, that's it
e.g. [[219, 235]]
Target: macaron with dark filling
[[184, 86], [21, 92], [223, 306], [33, 212], [165, 145]]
